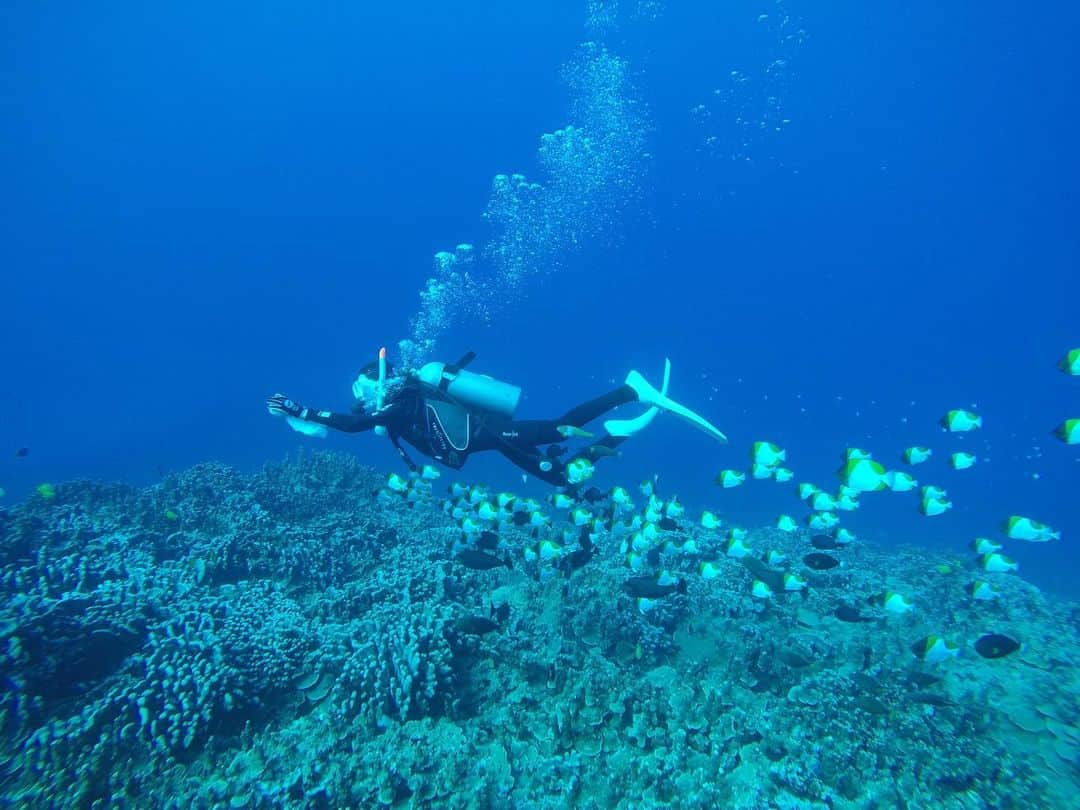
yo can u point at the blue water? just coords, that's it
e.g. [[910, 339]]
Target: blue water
[[204, 205]]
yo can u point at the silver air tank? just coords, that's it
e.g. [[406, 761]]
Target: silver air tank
[[470, 388]]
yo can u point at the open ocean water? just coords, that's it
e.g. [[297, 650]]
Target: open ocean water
[[828, 564]]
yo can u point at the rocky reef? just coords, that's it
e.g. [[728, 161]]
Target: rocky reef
[[292, 639]]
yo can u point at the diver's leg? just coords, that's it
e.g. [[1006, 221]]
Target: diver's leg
[[587, 411], [533, 432], [524, 433]]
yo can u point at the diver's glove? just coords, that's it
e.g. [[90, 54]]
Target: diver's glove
[[296, 415], [281, 405]]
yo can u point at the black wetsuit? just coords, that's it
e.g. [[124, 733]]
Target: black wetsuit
[[446, 430]]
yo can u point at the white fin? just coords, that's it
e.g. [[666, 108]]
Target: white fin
[[659, 399]]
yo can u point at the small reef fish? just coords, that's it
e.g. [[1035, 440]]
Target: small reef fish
[[620, 497], [673, 509], [786, 523], [596, 451], [1070, 363], [960, 421], [579, 557], [932, 507], [792, 582], [481, 625], [761, 472], [730, 478], [482, 561], [759, 590], [782, 475], [864, 475], [998, 563], [538, 519], [773, 557], [709, 570], [930, 699], [644, 604], [689, 547], [734, 547], [429, 473], [847, 613], [892, 602], [995, 645], [806, 490], [1023, 528], [549, 550], [821, 521], [648, 487], [982, 591], [655, 587], [470, 526], [759, 570], [560, 500], [710, 521], [578, 470], [900, 481], [917, 455], [475, 625], [820, 562], [1069, 431], [823, 502], [962, 461], [847, 503], [934, 493], [934, 649], [984, 545], [573, 432], [843, 536], [397, 483], [580, 517], [486, 540], [767, 454]]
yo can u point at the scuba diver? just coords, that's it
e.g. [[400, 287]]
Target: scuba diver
[[448, 413]]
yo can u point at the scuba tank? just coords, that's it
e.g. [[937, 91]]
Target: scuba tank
[[471, 389]]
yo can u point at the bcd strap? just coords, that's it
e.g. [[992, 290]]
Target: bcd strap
[[401, 452]]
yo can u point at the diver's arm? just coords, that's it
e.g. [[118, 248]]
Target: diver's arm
[[346, 422]]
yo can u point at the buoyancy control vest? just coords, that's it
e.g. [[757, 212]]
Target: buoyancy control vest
[[453, 400]]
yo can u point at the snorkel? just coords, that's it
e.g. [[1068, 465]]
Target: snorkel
[[380, 389], [372, 387]]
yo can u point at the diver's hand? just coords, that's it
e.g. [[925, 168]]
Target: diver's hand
[[281, 405]]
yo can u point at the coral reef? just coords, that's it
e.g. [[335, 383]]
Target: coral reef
[[292, 639]]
